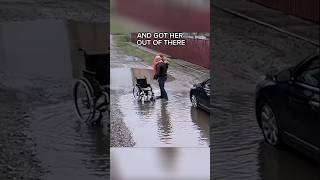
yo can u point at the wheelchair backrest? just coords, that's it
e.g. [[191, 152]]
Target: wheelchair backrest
[[142, 83]]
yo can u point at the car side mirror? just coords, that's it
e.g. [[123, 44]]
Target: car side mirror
[[284, 76]]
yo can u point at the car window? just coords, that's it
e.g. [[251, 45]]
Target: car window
[[310, 74]]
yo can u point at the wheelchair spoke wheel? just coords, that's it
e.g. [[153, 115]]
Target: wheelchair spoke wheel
[[83, 100], [136, 92]]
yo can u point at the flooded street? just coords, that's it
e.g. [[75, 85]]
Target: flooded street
[[172, 123], [242, 54], [67, 147], [43, 138], [160, 163], [62, 147], [163, 136]]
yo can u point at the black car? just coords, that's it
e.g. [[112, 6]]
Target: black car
[[287, 107], [200, 95]]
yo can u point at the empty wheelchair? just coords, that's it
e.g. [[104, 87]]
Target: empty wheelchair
[[142, 91], [91, 91]]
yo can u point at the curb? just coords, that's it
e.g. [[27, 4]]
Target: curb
[[266, 24]]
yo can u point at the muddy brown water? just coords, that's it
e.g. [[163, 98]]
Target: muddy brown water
[[161, 123]]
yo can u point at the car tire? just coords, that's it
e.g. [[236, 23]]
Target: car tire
[[194, 101], [269, 124]]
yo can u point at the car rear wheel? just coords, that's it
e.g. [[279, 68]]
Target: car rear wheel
[[194, 101], [269, 125]]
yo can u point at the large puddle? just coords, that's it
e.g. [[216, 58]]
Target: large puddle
[[160, 163], [161, 123], [245, 52], [67, 147], [44, 53], [240, 151]]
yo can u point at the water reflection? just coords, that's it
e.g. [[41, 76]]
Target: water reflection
[[169, 159], [201, 119], [239, 148], [42, 57], [285, 164], [159, 123], [164, 123], [144, 110], [67, 146], [160, 163]]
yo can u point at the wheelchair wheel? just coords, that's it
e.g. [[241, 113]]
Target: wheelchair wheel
[[83, 100], [135, 92], [152, 98], [102, 103]]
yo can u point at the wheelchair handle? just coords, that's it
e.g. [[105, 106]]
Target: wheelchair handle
[[82, 50]]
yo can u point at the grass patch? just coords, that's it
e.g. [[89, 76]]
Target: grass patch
[[122, 42]]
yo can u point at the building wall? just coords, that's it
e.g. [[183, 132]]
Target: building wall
[[35, 48], [308, 9]]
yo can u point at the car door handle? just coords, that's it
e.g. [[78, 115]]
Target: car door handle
[[314, 105]]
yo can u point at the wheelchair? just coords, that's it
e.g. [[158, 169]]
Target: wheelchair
[[142, 91], [91, 91]]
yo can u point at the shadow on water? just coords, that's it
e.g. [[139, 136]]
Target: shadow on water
[[160, 123]]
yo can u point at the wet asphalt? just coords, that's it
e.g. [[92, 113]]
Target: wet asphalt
[[172, 123], [242, 53], [163, 136], [41, 136]]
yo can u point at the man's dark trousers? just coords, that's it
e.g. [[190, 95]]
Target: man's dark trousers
[[161, 81]]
